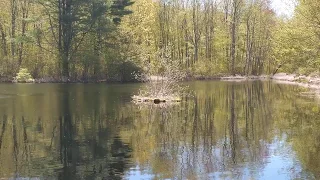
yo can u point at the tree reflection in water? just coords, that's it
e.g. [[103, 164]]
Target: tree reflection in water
[[225, 130], [61, 143]]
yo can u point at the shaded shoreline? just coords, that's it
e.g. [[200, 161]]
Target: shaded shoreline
[[53, 81]]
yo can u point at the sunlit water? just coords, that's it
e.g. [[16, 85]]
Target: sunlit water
[[223, 130]]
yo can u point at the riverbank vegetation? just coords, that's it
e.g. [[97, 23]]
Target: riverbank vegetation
[[108, 40]]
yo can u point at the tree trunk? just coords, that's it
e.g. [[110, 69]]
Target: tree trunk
[[65, 35], [233, 35], [24, 9], [196, 32], [14, 10], [3, 41]]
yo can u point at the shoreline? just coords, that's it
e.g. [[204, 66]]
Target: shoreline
[[57, 81], [312, 82]]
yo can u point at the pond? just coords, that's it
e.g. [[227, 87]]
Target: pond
[[224, 130]]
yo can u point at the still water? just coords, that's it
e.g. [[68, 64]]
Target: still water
[[225, 130]]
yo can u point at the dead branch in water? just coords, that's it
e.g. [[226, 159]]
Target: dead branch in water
[[164, 86]]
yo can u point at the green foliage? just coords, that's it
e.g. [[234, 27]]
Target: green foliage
[[121, 71], [199, 37], [98, 37], [118, 9], [23, 76], [296, 41]]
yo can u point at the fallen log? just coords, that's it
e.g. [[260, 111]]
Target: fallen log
[[155, 100]]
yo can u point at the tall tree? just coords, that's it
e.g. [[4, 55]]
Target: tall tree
[[235, 17]]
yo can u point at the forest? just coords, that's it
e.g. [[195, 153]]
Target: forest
[[109, 40]]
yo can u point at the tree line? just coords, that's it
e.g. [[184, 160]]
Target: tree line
[[81, 40]]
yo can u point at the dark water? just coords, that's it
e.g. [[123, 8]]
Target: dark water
[[248, 130]]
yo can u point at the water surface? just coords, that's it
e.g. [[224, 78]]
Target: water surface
[[225, 130]]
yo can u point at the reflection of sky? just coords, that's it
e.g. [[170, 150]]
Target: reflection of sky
[[283, 7], [279, 162], [282, 163], [136, 174]]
